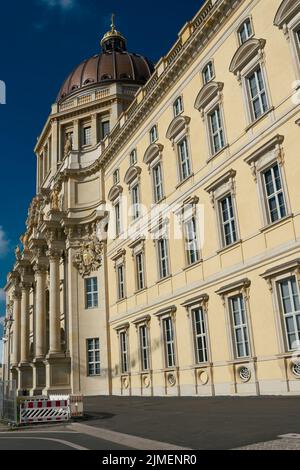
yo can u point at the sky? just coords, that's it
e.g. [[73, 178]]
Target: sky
[[41, 41]]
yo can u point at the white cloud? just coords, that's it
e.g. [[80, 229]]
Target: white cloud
[[3, 243], [63, 5]]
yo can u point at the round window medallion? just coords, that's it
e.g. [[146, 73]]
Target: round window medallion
[[171, 380], [245, 374], [146, 381], [203, 377], [296, 368]]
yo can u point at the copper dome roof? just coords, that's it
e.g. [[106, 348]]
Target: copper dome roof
[[113, 64]]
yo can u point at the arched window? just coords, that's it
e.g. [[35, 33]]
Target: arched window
[[208, 72], [245, 31]]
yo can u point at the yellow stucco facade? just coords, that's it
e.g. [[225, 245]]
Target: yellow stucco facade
[[163, 259]]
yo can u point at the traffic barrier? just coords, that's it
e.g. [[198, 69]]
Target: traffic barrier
[[75, 403], [44, 410]]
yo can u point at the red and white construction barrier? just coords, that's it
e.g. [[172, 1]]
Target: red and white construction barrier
[[75, 403], [44, 410]]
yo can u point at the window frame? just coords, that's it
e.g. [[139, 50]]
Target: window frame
[[171, 342], [187, 160], [242, 27], [220, 131], [166, 258], [292, 315], [93, 350], [156, 197], [266, 198], [203, 334], [208, 66], [251, 100], [135, 191], [231, 220], [144, 348], [177, 112], [242, 326], [132, 161], [153, 134], [124, 352], [87, 141], [92, 293], [140, 273], [187, 220], [121, 265]]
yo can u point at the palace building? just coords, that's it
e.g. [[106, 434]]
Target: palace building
[[162, 249]]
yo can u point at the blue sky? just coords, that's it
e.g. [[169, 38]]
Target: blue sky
[[41, 42]]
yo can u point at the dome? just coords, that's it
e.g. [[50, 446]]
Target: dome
[[113, 64]]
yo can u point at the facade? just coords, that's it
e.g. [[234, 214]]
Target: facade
[[162, 250]]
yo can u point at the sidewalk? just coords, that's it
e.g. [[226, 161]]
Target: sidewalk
[[197, 423]]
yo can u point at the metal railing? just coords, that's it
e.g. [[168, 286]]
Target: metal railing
[[8, 401]]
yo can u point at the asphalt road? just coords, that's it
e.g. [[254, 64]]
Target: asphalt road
[[57, 439], [198, 423]]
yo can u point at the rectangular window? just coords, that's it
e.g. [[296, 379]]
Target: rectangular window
[[169, 342], [157, 183], [93, 356], [178, 106], [297, 34], [245, 31], [153, 134], [144, 347], [91, 292], [105, 129], [274, 195], [87, 135], [191, 241], [135, 191], [163, 261], [228, 224], [257, 93], [140, 277], [208, 73], [200, 339], [121, 281], [124, 352], [290, 305], [133, 157], [116, 176], [239, 325], [118, 218], [216, 130], [184, 159]]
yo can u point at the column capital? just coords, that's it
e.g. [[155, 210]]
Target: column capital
[[25, 285], [54, 254], [17, 294], [40, 269]]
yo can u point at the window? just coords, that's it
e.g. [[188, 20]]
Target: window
[[208, 73], [118, 218], [121, 281], [153, 134], [290, 306], [93, 356], [239, 325], [275, 201], [124, 352], [157, 182], [184, 159], [297, 32], [87, 135], [216, 130], [116, 176], [200, 339], [133, 157], [91, 292], [139, 264], [169, 343], [178, 106], [105, 129], [257, 93], [191, 241], [163, 261], [144, 347], [135, 191], [227, 220], [245, 32]]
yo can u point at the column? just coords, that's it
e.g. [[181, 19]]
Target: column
[[54, 298], [76, 135], [94, 129], [25, 323], [40, 311], [16, 327], [54, 150]]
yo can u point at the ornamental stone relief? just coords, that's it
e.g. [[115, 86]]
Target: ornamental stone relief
[[88, 256]]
